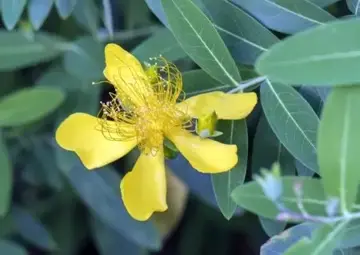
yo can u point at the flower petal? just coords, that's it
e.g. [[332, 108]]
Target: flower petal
[[125, 72], [80, 133], [144, 188], [226, 106], [205, 155]]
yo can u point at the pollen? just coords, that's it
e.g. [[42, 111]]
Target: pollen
[[145, 109]]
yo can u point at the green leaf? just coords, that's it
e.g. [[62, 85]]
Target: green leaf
[[323, 3], [245, 37], [161, 43], [32, 230], [200, 40], [351, 235], [323, 242], [11, 12], [234, 132], [85, 60], [65, 7], [87, 16], [354, 6], [16, 51], [331, 59], [338, 142], [28, 105], [278, 244], [108, 241], [105, 202], [108, 17], [272, 227], [9, 247], [293, 121], [6, 179], [267, 150], [38, 10], [250, 196], [286, 16], [198, 81]]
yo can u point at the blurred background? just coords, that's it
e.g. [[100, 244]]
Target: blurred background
[[51, 53]]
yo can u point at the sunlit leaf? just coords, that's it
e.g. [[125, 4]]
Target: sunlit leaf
[[322, 242], [6, 177], [28, 105], [17, 51], [331, 59], [11, 12], [338, 143], [245, 37], [286, 16], [200, 40], [278, 244], [250, 196], [38, 10], [293, 121], [32, 230], [234, 132]]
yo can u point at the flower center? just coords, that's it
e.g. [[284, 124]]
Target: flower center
[[154, 116]]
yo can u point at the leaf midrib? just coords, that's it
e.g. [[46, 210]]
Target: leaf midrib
[[203, 42]]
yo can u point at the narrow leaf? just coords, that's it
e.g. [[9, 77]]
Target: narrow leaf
[[278, 244], [108, 17], [38, 10], [250, 196], [11, 12], [108, 241], [85, 59], [16, 51], [245, 37], [354, 6], [65, 7], [234, 132], [332, 58], [286, 16], [28, 105], [293, 121], [161, 43], [200, 40], [272, 227], [32, 230], [198, 81], [338, 143], [87, 15], [106, 203], [9, 247], [6, 179]]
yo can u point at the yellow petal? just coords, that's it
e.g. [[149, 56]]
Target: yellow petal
[[226, 106], [80, 133], [205, 155], [125, 72], [144, 188]]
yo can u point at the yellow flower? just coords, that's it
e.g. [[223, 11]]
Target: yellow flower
[[143, 111]]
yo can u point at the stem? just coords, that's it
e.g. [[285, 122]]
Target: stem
[[241, 86]]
